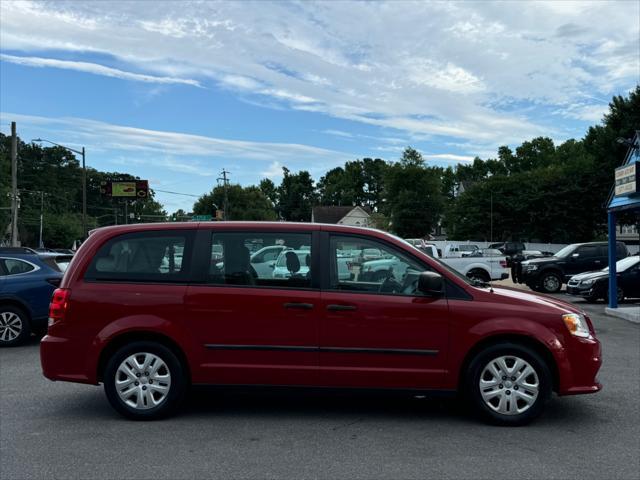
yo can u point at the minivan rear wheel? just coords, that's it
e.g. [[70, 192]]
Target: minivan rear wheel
[[508, 384], [144, 381]]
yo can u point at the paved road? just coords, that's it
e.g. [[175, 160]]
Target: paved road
[[61, 430]]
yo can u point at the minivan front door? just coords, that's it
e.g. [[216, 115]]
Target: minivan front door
[[377, 330], [256, 329]]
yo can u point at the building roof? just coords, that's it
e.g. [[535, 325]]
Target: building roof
[[333, 214]]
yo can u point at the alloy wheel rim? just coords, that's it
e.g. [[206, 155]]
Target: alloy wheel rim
[[551, 282], [509, 385], [143, 381], [10, 326]]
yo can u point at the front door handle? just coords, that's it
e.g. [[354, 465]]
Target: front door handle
[[335, 307], [301, 306]]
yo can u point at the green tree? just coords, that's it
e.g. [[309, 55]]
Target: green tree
[[414, 195], [296, 196], [245, 203]]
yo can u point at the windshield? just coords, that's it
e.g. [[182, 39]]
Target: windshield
[[624, 264], [566, 251]]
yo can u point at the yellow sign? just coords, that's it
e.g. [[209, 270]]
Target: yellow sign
[[123, 189]]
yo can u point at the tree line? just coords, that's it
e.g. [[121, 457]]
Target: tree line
[[538, 191], [50, 182]]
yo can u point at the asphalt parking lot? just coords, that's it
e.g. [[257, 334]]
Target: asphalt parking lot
[[62, 430]]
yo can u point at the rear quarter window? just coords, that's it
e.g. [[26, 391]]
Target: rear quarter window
[[155, 256]]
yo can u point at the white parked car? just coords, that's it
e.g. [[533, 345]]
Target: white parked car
[[458, 250], [264, 260]]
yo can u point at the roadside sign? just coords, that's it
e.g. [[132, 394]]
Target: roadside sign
[[127, 189], [201, 218], [628, 179]]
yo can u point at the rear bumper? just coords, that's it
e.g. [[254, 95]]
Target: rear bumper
[[64, 360]]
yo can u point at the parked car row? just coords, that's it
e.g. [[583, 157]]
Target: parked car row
[[594, 285]]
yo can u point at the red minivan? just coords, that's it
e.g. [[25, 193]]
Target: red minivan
[[148, 310]]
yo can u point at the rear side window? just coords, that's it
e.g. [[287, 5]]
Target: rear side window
[[277, 260], [13, 266], [158, 256]]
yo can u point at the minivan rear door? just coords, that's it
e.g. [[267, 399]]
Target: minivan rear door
[[256, 327]]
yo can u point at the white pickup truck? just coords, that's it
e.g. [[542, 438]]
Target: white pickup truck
[[484, 268]]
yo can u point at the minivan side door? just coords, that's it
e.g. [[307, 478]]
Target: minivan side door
[[251, 327], [377, 330]]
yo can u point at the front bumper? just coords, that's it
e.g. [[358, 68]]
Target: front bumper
[[578, 375]]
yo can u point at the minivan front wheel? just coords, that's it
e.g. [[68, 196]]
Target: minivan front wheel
[[144, 381], [508, 384]]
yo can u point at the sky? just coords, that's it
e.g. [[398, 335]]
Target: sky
[[174, 91]]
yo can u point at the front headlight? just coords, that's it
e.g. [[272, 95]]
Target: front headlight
[[576, 324], [532, 268], [586, 283]]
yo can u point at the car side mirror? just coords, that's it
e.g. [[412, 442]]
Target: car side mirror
[[272, 265], [431, 284]]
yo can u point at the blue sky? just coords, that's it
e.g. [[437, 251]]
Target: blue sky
[[175, 91]]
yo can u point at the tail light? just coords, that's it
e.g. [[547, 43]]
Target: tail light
[[503, 263], [59, 305]]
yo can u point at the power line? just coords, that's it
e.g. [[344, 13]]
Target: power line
[[177, 193]]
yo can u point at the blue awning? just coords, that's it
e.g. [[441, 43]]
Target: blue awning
[[624, 202]]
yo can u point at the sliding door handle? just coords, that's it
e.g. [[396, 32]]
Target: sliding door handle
[[340, 308], [301, 306]]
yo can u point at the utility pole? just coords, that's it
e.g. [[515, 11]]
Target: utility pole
[[14, 186], [225, 205], [40, 244], [491, 215], [84, 198]]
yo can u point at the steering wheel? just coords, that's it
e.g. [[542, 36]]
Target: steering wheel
[[389, 285]]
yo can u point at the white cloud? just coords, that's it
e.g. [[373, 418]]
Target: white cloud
[[169, 145], [431, 69], [274, 170], [449, 157], [93, 68]]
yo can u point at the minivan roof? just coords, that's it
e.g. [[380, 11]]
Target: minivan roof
[[230, 225]]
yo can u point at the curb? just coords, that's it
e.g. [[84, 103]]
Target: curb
[[631, 314]]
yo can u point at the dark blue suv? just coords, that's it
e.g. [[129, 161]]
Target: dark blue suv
[[27, 281]]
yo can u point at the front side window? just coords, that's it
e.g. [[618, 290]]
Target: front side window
[[588, 251], [352, 269], [147, 256], [280, 260], [13, 266]]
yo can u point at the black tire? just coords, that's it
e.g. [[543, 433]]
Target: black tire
[[533, 287], [12, 319], [177, 388], [550, 282], [591, 299], [473, 392], [479, 274]]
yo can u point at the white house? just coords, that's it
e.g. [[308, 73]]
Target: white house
[[351, 216]]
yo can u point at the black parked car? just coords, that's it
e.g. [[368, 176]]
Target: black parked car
[[593, 286], [547, 274]]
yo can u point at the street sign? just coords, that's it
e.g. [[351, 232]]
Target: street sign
[[201, 218], [628, 179]]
